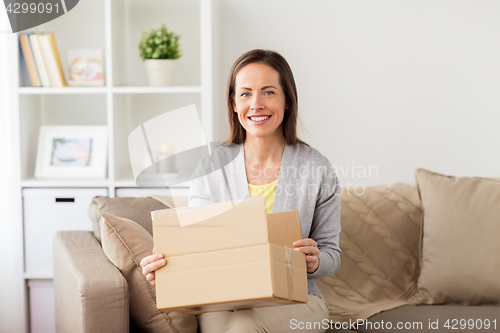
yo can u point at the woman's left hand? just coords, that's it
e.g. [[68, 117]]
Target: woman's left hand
[[310, 248]]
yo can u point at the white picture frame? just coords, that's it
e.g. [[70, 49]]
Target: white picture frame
[[72, 152]]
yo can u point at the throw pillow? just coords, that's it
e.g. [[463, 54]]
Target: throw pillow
[[136, 209], [126, 243], [460, 251]]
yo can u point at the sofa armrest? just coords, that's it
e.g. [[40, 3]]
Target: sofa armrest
[[91, 295]]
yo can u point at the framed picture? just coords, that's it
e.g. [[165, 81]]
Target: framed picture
[[71, 152]]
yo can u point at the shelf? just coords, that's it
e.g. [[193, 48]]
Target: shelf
[[38, 276], [131, 18], [156, 90], [33, 182], [65, 90], [69, 183], [122, 104], [115, 90], [131, 183]]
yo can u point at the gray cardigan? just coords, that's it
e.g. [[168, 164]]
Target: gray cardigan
[[307, 182]]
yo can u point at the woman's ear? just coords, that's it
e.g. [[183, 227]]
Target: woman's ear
[[234, 106]]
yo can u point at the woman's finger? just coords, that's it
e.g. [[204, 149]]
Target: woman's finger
[[153, 266], [151, 278], [308, 250], [305, 242], [311, 259], [312, 266], [151, 258]]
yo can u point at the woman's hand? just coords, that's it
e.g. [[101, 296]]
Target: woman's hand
[[310, 248], [150, 264]]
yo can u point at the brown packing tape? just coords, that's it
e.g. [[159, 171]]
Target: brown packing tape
[[289, 276], [282, 281]]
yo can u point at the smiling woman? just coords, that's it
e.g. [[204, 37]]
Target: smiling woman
[[261, 158], [259, 101], [273, 77]]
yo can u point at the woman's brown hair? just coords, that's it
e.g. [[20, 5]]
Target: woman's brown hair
[[287, 82]]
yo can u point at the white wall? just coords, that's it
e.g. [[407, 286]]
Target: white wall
[[11, 282], [391, 84]]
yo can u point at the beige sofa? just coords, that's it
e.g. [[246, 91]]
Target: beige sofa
[[380, 240]]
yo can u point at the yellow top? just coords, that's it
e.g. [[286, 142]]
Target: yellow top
[[268, 190]]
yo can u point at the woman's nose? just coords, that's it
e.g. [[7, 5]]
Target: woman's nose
[[257, 102]]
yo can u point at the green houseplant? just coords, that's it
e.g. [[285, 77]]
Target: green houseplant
[[159, 48]]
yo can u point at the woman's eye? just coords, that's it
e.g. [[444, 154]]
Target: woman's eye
[[245, 95], [268, 93]]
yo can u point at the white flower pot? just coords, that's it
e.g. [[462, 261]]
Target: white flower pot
[[160, 72]]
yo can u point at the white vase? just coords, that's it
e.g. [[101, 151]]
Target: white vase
[[160, 72]]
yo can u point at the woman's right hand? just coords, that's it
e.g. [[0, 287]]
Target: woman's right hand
[[150, 264]]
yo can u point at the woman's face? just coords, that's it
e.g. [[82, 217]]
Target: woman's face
[[259, 100]]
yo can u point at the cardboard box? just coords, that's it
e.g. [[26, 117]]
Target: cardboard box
[[227, 256]]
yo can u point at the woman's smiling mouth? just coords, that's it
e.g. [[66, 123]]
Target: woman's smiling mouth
[[259, 119]]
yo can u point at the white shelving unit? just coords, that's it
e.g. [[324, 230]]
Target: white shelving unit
[[125, 102]]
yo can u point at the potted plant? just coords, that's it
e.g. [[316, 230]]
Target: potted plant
[[159, 48]]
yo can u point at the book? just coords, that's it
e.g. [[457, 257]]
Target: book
[[29, 61], [50, 60], [39, 60], [56, 53]]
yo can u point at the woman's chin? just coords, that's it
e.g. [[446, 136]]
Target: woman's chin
[[261, 134]]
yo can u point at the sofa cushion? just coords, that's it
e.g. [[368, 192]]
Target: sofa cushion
[[126, 243], [135, 209], [380, 244], [460, 260], [91, 295]]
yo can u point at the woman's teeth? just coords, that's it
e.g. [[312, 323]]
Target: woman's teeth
[[259, 118]]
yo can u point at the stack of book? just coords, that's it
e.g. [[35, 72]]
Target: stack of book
[[42, 59]]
